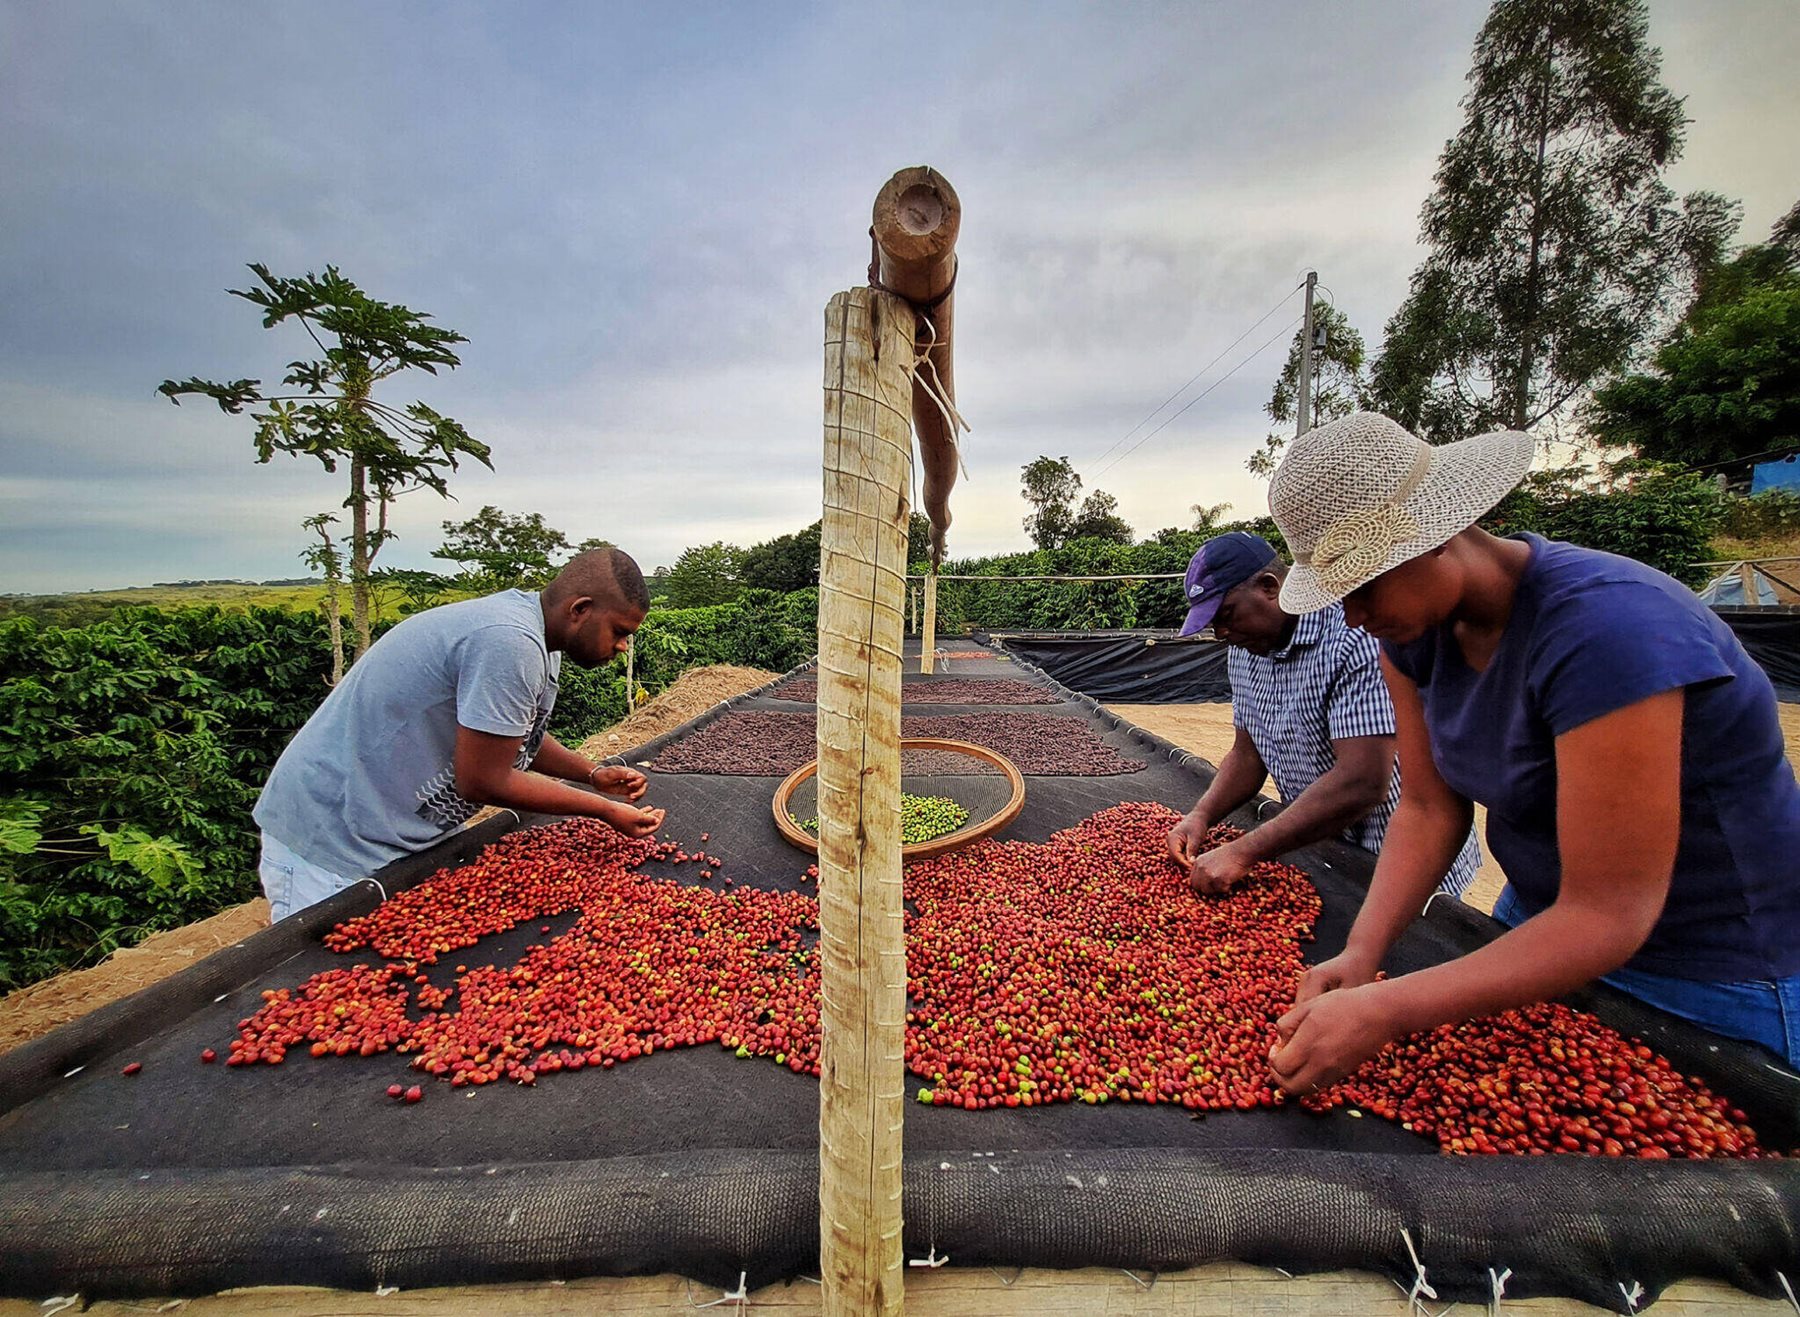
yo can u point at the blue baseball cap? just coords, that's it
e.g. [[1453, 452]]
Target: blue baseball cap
[[1223, 562]]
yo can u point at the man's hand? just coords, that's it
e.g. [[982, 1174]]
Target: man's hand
[[615, 780], [1215, 872], [1326, 1038], [1187, 839], [637, 823], [1345, 970]]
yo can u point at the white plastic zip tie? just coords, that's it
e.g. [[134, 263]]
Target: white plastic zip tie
[[1419, 1286], [1139, 1281], [382, 1291], [375, 883], [931, 1259], [1004, 1282], [1428, 900], [70, 1075], [739, 1296], [1788, 1290], [1498, 1283], [1633, 1296], [55, 1305], [1783, 1071]]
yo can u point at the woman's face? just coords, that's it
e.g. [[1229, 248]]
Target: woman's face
[[1405, 602]]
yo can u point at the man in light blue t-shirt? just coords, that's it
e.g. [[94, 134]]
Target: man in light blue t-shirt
[[443, 716]]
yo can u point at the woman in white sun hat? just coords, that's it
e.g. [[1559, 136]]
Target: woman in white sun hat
[[1628, 751]]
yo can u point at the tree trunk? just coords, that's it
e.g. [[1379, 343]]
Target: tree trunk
[[336, 621], [359, 555], [862, 1005], [1521, 400]]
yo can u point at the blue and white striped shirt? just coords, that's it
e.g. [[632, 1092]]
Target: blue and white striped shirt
[[1324, 685]]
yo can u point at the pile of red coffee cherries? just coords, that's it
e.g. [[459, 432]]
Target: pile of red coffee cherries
[[1078, 970], [1543, 1079]]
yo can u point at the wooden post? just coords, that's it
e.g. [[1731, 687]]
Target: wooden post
[[928, 635], [916, 219], [862, 1010]]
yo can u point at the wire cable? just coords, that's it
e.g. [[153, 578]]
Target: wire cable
[[1267, 343], [1197, 374]]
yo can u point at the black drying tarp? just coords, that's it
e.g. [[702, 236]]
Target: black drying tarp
[[190, 1178], [1156, 667], [1126, 667], [1771, 636]]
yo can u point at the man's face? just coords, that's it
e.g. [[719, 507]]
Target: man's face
[[1250, 615], [601, 632]]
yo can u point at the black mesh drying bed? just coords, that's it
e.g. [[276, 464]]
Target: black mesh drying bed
[[189, 1178]]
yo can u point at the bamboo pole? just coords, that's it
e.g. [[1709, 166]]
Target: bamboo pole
[[862, 1011], [916, 219], [928, 636]]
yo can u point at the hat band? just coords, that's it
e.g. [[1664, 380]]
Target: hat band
[[1356, 547]]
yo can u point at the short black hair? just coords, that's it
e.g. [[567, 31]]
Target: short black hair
[[608, 574], [628, 579]]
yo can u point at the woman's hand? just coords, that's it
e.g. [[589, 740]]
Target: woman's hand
[[1326, 1038], [1347, 969]]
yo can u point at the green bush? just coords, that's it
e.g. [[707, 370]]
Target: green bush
[[1772, 515], [761, 629], [131, 751]]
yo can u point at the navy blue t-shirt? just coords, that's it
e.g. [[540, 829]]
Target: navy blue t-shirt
[[1589, 634]]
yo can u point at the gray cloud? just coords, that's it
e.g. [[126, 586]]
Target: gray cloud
[[638, 216]]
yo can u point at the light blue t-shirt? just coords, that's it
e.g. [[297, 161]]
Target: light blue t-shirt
[[370, 777]]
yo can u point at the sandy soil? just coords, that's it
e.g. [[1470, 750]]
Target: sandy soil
[[34, 1011]]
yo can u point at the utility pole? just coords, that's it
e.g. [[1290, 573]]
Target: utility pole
[[1306, 356]]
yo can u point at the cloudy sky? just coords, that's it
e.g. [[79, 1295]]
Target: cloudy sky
[[637, 218]]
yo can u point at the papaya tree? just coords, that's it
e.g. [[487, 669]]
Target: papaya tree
[[326, 407]]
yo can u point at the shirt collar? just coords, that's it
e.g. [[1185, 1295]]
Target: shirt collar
[[1309, 630]]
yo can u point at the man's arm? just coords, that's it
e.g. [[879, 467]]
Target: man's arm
[[1344, 795], [554, 759], [1240, 776], [485, 774]]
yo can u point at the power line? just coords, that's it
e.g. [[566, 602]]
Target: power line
[[1283, 331], [1197, 374]]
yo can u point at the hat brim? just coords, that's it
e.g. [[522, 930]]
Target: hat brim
[[1465, 481], [1200, 616]]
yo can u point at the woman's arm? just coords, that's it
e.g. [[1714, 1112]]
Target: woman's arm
[[1422, 842], [1618, 809]]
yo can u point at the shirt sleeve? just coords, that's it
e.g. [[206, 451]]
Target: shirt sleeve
[[499, 677], [1607, 646], [1357, 703], [1235, 673]]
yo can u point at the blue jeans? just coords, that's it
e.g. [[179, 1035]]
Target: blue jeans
[[1757, 1011]]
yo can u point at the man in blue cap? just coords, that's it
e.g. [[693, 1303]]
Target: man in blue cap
[[1310, 707]]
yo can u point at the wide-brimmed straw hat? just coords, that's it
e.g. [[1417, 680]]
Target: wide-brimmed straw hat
[[1361, 495]]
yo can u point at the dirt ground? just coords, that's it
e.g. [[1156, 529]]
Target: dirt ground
[[1206, 730], [34, 1011]]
